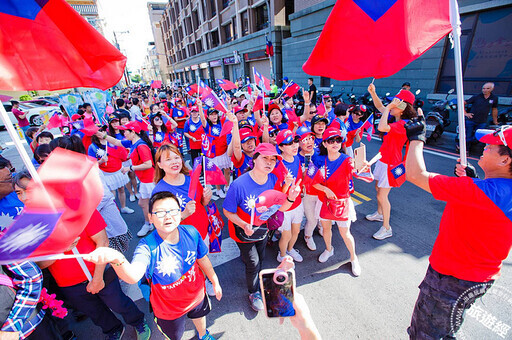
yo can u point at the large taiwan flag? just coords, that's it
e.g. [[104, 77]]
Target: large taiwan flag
[[46, 44], [390, 34], [57, 209]]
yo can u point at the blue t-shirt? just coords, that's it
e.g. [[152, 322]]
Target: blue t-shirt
[[307, 124], [180, 191], [96, 151], [10, 207], [190, 126]]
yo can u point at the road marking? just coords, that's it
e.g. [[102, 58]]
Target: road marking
[[367, 199], [356, 202]]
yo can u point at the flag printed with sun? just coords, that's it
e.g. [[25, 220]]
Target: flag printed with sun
[[168, 265]]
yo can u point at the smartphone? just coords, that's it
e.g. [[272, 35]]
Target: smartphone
[[359, 156], [278, 287]]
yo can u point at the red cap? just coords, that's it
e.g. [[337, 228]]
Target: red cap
[[194, 108], [245, 135], [331, 132], [406, 96], [284, 136], [501, 136], [237, 109], [76, 117], [272, 107], [133, 125], [267, 149]]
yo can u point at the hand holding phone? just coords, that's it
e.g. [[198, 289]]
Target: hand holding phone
[[278, 287]]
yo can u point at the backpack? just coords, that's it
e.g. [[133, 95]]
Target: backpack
[[145, 283]]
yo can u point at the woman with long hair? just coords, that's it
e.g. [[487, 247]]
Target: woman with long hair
[[171, 174], [337, 169], [391, 150], [162, 128]]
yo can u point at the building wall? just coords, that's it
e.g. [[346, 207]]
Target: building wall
[[155, 11]]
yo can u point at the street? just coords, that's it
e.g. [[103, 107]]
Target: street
[[376, 305]]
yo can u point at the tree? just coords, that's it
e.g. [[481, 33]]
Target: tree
[[136, 78]]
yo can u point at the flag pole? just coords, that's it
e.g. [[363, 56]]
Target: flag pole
[[456, 33], [31, 169]]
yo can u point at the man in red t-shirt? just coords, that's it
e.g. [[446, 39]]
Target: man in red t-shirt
[[475, 234], [100, 296], [21, 116]]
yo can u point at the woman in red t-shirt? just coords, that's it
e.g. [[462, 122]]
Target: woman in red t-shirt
[[161, 133], [391, 150]]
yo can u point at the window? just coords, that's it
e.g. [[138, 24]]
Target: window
[[233, 22], [199, 46], [228, 32], [245, 23], [289, 8], [261, 17], [213, 8], [225, 3], [188, 26], [195, 20], [325, 82], [215, 38], [486, 54]]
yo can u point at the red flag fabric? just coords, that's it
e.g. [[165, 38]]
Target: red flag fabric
[[46, 44], [291, 89], [410, 28], [156, 84], [258, 104], [54, 121], [57, 209], [226, 84], [194, 179], [227, 127], [260, 80], [213, 174]]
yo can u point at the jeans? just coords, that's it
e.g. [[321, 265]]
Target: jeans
[[471, 128], [438, 296], [252, 255], [24, 129], [98, 306]]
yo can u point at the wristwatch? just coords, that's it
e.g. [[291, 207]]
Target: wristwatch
[[131, 167]]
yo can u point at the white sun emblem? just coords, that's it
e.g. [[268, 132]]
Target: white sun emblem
[[399, 171], [325, 171], [209, 102], [100, 153], [158, 137], [209, 164], [24, 238], [193, 128], [181, 199], [311, 171], [5, 220], [168, 265], [250, 202], [215, 131]]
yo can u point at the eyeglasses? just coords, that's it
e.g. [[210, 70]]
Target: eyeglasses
[[273, 133], [163, 213], [333, 140], [156, 118], [328, 100], [294, 141], [313, 112], [307, 139]]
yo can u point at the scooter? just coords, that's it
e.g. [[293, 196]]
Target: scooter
[[438, 119]]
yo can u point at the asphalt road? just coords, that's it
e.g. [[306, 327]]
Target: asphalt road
[[376, 305]]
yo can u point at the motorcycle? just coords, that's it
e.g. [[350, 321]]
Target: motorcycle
[[438, 119]]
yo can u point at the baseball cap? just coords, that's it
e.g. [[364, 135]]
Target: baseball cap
[[271, 129], [330, 133], [133, 125], [285, 78], [303, 132], [244, 103], [284, 136], [406, 96], [245, 135], [318, 118], [237, 109], [272, 107], [76, 117], [267, 149], [244, 123], [194, 109], [500, 136], [406, 84], [112, 117], [212, 110]]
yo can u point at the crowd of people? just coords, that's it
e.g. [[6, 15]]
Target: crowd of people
[[149, 147]]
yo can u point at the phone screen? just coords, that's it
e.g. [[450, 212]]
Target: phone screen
[[278, 297]]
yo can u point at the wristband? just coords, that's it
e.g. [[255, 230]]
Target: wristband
[[120, 263], [288, 199], [131, 167]]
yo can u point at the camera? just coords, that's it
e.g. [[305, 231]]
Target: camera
[[280, 277]]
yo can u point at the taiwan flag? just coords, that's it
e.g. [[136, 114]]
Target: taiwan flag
[[57, 209], [213, 174], [208, 145], [211, 100], [267, 203], [368, 127], [226, 85], [156, 84], [258, 103], [313, 176], [269, 49], [54, 121], [260, 80], [410, 28], [46, 44], [291, 89], [396, 175]]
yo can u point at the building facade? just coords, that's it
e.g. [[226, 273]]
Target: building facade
[[156, 57], [211, 39], [88, 9]]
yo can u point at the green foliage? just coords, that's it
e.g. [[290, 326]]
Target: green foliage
[[25, 97], [136, 78]]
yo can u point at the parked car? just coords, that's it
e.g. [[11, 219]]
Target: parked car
[[35, 110], [51, 99]]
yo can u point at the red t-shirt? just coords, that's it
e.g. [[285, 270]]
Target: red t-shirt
[[475, 233], [141, 153], [68, 272], [21, 122], [393, 143]]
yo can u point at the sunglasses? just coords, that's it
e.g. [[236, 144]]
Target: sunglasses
[[500, 134], [333, 140], [328, 100], [273, 133], [295, 140]]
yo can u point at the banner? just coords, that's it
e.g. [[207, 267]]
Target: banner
[[98, 100], [71, 102]]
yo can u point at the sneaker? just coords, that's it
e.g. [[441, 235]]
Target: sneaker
[[127, 210], [325, 255], [383, 233], [279, 257], [256, 301], [132, 198], [145, 229], [220, 193], [115, 335], [209, 287], [310, 243], [207, 336], [356, 268], [143, 331], [294, 253], [375, 217]]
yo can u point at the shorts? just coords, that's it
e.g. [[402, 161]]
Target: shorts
[[350, 151], [292, 216], [352, 217], [380, 173], [127, 163], [145, 190], [222, 161], [115, 180], [174, 329]]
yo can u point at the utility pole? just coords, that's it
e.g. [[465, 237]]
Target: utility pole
[[125, 73]]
